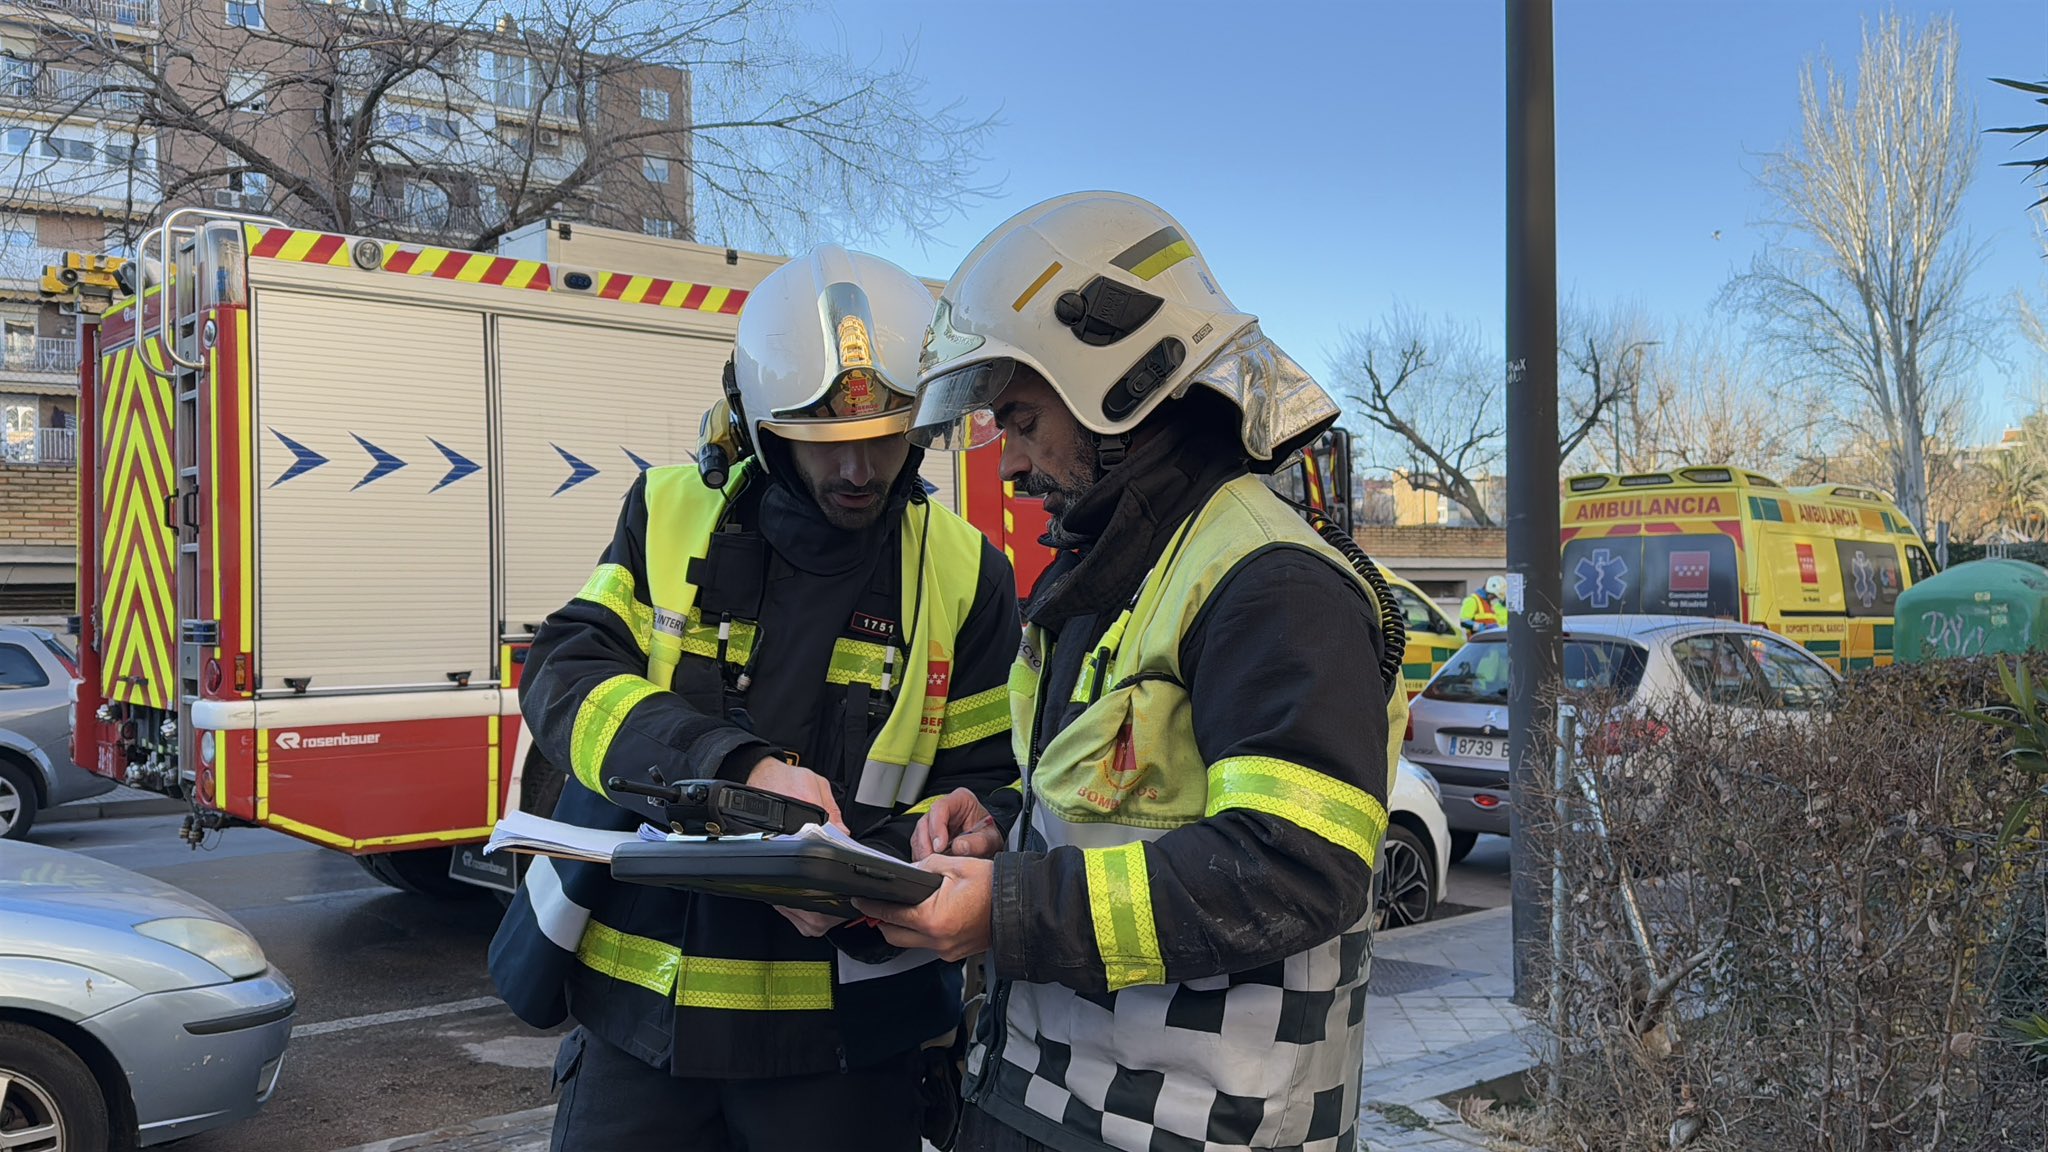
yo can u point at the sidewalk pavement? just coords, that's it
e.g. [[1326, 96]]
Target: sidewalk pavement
[[1438, 1022], [122, 801]]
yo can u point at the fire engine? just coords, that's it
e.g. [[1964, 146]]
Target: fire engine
[[331, 486]]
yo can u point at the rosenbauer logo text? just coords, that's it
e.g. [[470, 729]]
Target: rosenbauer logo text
[[292, 741]]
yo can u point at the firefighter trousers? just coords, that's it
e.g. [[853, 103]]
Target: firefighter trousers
[[614, 1102]]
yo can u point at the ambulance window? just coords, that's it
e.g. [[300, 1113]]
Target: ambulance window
[[1918, 564], [1420, 618], [19, 669], [1796, 679], [1717, 670]]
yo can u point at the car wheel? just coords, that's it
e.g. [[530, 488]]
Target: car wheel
[[1461, 845], [49, 1101], [17, 801], [422, 872], [1404, 887]]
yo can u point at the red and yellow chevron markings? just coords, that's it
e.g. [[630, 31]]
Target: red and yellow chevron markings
[[304, 247], [137, 560], [670, 293], [468, 267]]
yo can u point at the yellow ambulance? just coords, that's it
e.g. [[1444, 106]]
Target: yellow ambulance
[[1432, 634], [1823, 566]]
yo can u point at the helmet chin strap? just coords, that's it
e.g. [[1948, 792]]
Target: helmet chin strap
[[1110, 451]]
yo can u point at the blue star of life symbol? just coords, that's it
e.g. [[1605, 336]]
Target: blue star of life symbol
[[1598, 579], [1866, 580]]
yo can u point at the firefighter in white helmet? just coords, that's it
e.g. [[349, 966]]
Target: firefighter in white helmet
[[809, 624], [1206, 708]]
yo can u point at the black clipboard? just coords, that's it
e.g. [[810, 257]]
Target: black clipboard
[[813, 875]]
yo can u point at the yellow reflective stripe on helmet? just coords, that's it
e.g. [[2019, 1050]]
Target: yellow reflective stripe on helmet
[[701, 639], [704, 981], [612, 587], [1345, 816], [598, 721], [976, 717], [858, 662], [755, 985], [635, 959], [1120, 902]]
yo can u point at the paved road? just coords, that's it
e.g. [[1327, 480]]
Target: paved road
[[1481, 880], [397, 1030]]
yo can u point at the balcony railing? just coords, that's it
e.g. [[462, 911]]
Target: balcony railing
[[126, 13], [47, 354], [61, 89], [50, 447], [132, 13]]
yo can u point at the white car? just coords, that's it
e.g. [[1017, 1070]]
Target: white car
[[1458, 726], [1414, 869]]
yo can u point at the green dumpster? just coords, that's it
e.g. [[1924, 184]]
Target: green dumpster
[[1974, 609]]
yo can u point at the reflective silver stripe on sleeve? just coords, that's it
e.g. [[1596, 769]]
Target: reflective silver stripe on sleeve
[[880, 784], [562, 920]]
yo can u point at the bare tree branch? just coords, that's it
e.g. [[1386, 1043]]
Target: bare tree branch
[[1866, 289], [457, 121]]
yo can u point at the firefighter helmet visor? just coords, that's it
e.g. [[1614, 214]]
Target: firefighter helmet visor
[[956, 410]]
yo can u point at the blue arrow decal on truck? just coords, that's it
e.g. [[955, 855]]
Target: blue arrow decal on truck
[[306, 462], [382, 463], [637, 462], [458, 465], [579, 471]]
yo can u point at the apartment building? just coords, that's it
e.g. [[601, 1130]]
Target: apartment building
[[111, 110], [75, 172]]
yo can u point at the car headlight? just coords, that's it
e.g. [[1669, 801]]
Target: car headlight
[[1428, 779], [224, 946]]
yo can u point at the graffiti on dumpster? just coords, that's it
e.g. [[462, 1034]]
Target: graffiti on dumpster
[[1950, 635]]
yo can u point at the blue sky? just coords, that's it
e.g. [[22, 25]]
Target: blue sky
[[1332, 158]]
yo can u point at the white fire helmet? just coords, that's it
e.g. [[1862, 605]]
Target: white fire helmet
[[1106, 297], [1496, 586], [827, 349]]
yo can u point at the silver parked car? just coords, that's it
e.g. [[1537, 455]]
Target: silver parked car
[[36, 771], [131, 1013], [1458, 726]]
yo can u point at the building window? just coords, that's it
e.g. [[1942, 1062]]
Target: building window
[[17, 77], [122, 151], [18, 429], [653, 104], [426, 205], [245, 14], [254, 188], [18, 141], [246, 92], [666, 229], [656, 168], [421, 124], [71, 148]]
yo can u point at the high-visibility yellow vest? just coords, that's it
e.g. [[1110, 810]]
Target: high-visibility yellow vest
[[940, 557]]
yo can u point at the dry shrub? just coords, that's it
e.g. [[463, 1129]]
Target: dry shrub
[[1836, 938]]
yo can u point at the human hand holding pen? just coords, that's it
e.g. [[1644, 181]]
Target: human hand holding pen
[[957, 825]]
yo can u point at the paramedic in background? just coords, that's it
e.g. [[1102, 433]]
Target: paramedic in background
[[815, 627], [1486, 609], [1179, 930]]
